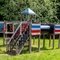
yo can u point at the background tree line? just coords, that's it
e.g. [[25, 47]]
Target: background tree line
[[47, 11]]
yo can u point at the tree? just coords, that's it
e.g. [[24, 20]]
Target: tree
[[46, 10]]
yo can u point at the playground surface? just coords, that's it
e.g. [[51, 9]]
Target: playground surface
[[45, 54]]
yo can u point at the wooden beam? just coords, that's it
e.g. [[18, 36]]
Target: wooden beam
[[1, 22], [33, 40], [28, 18], [15, 22], [49, 40], [30, 37], [16, 49], [53, 41], [4, 34], [43, 40], [7, 47], [13, 27], [59, 42], [9, 32], [39, 43]]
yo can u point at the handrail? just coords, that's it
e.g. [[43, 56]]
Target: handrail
[[23, 32], [14, 33]]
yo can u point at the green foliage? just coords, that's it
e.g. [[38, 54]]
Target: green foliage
[[46, 10]]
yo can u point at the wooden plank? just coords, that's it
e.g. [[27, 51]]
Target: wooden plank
[[59, 42], [14, 32], [1, 22], [9, 32], [13, 27], [39, 43], [34, 18], [16, 48], [49, 40], [15, 22], [4, 34], [7, 38], [29, 37], [43, 40], [7, 47], [53, 41]]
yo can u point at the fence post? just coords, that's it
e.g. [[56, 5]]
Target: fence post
[[4, 34], [39, 43], [59, 42], [33, 40], [29, 36], [43, 40], [53, 41], [49, 40]]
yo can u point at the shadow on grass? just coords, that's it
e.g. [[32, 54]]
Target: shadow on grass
[[12, 53], [2, 49], [2, 52], [57, 48], [24, 51], [34, 49], [45, 48]]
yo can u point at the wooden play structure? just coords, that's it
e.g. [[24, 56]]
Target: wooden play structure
[[7, 28], [26, 30]]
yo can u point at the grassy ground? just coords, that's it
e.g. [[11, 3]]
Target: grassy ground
[[45, 54]]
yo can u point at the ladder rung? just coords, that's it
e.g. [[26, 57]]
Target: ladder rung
[[1, 32], [7, 38], [9, 32]]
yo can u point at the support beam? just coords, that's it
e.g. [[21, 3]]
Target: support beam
[[43, 40], [13, 27], [30, 37], [7, 47], [4, 34], [53, 41], [33, 40], [59, 42], [49, 40], [39, 43], [16, 49]]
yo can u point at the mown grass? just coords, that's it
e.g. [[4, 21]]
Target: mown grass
[[45, 54]]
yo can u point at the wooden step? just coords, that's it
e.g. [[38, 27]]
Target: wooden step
[[9, 32], [7, 39]]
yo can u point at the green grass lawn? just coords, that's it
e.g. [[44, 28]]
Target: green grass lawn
[[45, 54]]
